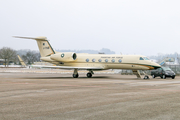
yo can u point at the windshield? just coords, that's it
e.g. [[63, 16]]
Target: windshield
[[166, 69], [145, 58]]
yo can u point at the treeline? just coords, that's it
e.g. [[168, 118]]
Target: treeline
[[103, 50], [31, 56], [10, 55]]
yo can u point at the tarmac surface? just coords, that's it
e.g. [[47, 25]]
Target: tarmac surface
[[42, 96]]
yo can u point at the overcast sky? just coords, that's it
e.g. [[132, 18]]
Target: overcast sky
[[144, 27]]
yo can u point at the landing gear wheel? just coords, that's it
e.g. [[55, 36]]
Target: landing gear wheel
[[153, 76], [164, 76], [173, 77], [75, 75], [89, 75], [146, 77]]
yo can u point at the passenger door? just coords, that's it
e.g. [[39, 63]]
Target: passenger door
[[159, 72]]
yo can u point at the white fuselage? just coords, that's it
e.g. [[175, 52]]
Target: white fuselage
[[132, 62]]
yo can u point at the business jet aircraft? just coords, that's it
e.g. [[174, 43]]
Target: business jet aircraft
[[91, 62]]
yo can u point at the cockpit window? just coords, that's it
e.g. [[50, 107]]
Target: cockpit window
[[141, 58], [145, 58]]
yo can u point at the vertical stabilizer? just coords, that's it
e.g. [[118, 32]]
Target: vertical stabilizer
[[45, 48]]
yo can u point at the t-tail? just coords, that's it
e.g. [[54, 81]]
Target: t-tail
[[45, 48]]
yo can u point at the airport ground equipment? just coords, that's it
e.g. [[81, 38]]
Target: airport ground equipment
[[167, 59], [178, 60], [163, 72], [137, 73]]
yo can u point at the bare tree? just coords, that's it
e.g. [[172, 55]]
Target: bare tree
[[8, 54], [31, 57]]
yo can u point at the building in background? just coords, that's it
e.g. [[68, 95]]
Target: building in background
[[2, 61]]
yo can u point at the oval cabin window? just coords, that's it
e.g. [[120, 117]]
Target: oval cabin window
[[93, 60], [99, 60], [87, 60]]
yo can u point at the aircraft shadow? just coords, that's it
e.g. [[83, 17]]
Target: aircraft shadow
[[85, 78], [96, 77]]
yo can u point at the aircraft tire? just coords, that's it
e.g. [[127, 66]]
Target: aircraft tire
[[146, 77], [89, 75], [75, 75]]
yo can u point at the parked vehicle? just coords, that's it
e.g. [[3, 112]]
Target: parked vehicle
[[163, 72]]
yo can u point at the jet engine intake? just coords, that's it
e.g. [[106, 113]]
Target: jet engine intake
[[64, 57]]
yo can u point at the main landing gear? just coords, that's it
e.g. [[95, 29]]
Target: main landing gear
[[89, 74], [75, 74]]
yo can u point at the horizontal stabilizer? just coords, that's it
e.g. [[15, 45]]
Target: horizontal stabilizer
[[45, 48], [37, 38]]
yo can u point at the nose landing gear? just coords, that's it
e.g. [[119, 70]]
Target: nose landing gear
[[146, 77], [89, 75], [75, 74]]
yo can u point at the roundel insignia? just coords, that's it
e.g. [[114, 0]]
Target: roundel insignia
[[62, 55]]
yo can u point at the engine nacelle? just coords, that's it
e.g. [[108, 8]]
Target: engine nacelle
[[64, 57]]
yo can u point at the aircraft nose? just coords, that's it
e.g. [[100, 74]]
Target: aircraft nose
[[156, 65]]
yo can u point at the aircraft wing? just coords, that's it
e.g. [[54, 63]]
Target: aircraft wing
[[68, 67]]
